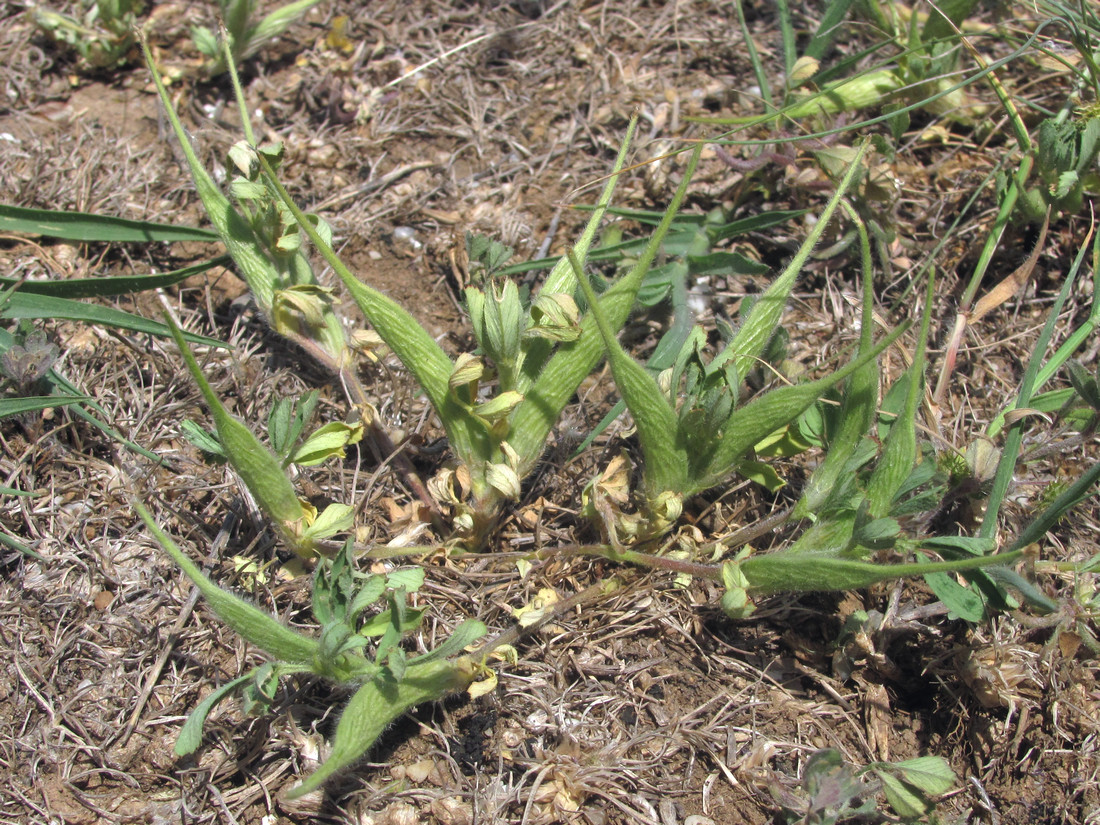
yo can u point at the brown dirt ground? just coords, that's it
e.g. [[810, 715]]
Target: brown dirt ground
[[646, 707]]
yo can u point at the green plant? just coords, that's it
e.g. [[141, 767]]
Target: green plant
[[386, 682], [831, 791], [245, 33], [537, 354], [691, 434], [103, 36]]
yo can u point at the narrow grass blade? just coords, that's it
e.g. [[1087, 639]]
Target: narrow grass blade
[[1073, 495], [18, 406], [1074, 341], [251, 623], [11, 541], [23, 305], [827, 29], [88, 228], [77, 288], [1015, 433]]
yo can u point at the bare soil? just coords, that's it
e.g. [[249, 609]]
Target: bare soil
[[648, 706]]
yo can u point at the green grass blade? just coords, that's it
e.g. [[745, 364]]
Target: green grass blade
[[12, 542], [76, 288], [827, 29], [24, 305], [64, 389], [1015, 433], [1073, 495], [1074, 341], [89, 228], [34, 403]]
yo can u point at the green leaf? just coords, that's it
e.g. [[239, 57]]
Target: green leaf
[[410, 579], [763, 319], [378, 624], [464, 635], [666, 460], [931, 774], [326, 442], [376, 705], [18, 406], [190, 735], [908, 784], [760, 473], [553, 385], [86, 227], [962, 602], [203, 439], [336, 518], [368, 593], [249, 622], [77, 288], [259, 468], [907, 801], [767, 413], [26, 305], [808, 572], [973, 545]]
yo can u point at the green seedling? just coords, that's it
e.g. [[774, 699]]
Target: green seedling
[[103, 36], [538, 353], [832, 791], [1066, 150], [245, 32], [386, 683]]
